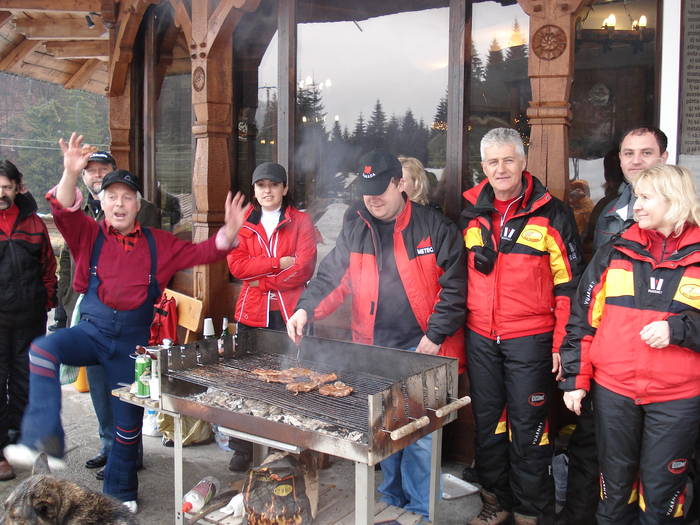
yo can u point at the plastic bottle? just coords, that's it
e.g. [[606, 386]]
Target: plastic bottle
[[200, 494]]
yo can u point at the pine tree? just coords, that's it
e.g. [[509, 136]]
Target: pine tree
[[393, 131], [439, 124], [337, 133], [494, 61], [358, 134], [376, 128], [477, 67], [517, 46]]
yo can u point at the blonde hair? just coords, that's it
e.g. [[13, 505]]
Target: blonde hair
[[675, 184], [416, 173]]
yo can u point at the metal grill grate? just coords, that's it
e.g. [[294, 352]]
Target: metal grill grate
[[233, 376]]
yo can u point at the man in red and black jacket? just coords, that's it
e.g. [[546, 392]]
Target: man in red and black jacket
[[524, 263], [27, 292], [404, 265]]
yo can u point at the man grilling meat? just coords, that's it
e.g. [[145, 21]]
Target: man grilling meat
[[405, 266]]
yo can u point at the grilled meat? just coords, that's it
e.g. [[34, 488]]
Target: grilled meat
[[337, 389]]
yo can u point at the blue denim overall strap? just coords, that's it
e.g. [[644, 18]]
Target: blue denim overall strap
[[109, 321]]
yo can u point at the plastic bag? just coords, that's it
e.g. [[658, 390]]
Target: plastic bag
[[194, 431]]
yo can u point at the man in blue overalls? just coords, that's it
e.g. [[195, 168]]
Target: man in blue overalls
[[121, 267]]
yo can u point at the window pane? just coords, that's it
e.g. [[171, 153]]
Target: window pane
[[367, 79], [255, 92], [500, 87], [174, 144], [613, 90]]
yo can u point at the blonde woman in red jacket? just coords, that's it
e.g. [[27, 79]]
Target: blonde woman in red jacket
[[633, 343], [275, 257]]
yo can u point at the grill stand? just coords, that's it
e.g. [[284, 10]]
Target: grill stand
[[364, 473]]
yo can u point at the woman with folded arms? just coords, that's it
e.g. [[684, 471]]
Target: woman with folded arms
[[633, 343]]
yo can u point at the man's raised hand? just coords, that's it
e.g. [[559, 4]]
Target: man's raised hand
[[75, 154]]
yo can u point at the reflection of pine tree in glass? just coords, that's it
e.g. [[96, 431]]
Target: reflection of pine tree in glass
[[311, 141], [392, 134], [358, 134], [336, 133], [268, 130], [376, 128]]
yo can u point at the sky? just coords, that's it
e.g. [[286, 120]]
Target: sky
[[400, 59]]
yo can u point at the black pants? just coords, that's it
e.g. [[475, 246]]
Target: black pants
[[582, 484], [241, 446], [644, 454], [14, 374], [511, 385]]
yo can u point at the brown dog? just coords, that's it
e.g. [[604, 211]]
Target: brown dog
[[43, 499]]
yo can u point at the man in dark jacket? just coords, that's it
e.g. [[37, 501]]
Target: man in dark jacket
[[27, 292], [100, 163], [404, 265], [524, 263]]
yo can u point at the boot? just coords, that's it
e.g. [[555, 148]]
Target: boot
[[491, 511], [521, 519]]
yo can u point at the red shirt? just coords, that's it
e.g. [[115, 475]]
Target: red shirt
[[504, 211], [124, 274], [8, 218]]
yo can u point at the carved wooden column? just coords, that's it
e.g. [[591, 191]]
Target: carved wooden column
[[211, 51], [551, 66]]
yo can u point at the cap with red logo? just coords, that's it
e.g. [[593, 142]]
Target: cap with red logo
[[377, 168]]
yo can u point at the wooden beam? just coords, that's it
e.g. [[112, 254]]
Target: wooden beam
[[182, 19], [130, 16], [17, 54], [80, 49], [80, 78], [61, 29], [56, 6], [5, 17], [287, 80]]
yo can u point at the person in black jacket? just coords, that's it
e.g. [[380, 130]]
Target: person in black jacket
[[404, 265], [27, 292]]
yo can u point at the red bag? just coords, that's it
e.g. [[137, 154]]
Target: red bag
[[164, 325]]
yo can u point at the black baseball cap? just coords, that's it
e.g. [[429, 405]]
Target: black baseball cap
[[377, 168], [270, 171], [103, 157], [122, 176]]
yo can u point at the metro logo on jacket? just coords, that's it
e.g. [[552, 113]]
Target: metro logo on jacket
[[430, 257]]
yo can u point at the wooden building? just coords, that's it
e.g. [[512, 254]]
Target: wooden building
[[201, 91]]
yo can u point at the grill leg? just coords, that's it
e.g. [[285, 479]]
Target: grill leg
[[364, 494], [179, 517], [435, 462]]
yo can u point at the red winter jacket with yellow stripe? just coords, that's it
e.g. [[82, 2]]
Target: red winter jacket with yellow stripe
[[430, 259], [622, 290], [536, 264]]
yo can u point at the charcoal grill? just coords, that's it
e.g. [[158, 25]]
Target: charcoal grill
[[399, 397]]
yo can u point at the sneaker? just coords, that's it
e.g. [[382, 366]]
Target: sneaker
[[56, 326], [167, 442], [491, 511], [23, 456], [132, 506]]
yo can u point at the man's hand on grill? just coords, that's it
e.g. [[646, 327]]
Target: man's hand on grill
[[426, 346], [296, 324]]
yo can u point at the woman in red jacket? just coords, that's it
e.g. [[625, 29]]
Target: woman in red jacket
[[275, 258], [635, 332]]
